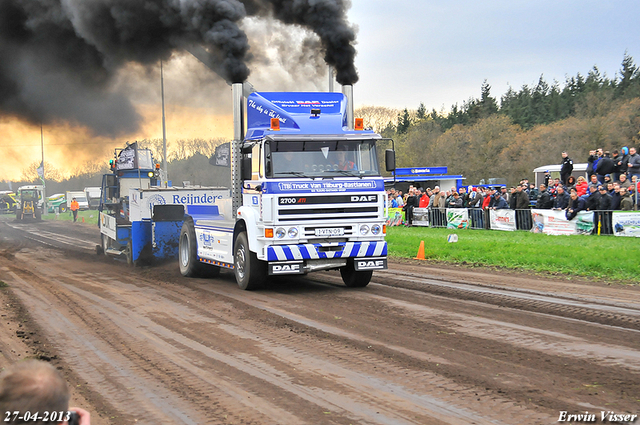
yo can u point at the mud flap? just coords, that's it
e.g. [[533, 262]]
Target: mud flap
[[286, 267], [365, 264]]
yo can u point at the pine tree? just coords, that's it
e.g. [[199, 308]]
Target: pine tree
[[422, 112], [404, 121], [629, 76]]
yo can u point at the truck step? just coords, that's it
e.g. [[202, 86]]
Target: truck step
[[114, 252]]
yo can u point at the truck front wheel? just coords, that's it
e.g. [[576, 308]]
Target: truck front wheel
[[250, 272], [353, 278]]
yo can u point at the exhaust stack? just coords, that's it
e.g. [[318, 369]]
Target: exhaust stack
[[347, 90], [236, 154]]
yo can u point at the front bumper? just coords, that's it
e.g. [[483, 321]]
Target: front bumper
[[305, 258], [326, 250]]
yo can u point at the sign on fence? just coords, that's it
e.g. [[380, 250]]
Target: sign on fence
[[553, 222], [502, 220], [626, 224], [457, 218], [421, 217], [395, 217]]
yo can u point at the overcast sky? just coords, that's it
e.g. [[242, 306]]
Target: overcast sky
[[440, 51]]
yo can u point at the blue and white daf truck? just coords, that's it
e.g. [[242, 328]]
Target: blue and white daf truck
[[306, 195]]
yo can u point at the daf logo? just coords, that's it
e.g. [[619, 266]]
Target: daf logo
[[286, 268], [364, 198], [370, 264]]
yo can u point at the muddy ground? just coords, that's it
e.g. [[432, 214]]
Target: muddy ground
[[422, 344]]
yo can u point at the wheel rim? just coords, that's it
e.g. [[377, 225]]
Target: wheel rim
[[240, 261], [184, 250]]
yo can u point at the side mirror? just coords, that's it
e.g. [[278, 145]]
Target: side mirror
[[390, 159], [246, 166], [267, 166]]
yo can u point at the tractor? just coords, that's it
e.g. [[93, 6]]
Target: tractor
[[27, 206]]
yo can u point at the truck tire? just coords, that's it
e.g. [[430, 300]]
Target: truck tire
[[104, 245], [353, 278], [37, 214], [18, 214], [190, 266], [250, 272], [129, 253]]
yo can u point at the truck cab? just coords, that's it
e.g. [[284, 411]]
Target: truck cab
[[307, 195]]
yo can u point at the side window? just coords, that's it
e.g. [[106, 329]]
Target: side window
[[256, 171]]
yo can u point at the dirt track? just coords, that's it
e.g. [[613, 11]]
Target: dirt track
[[420, 345]]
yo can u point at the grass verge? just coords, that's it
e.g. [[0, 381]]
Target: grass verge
[[602, 257], [90, 216]]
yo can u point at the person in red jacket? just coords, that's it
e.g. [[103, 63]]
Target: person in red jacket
[[424, 199], [582, 186], [487, 198]]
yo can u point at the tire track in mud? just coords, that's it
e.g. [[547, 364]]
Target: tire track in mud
[[280, 352], [466, 363], [147, 345], [255, 367], [624, 316]]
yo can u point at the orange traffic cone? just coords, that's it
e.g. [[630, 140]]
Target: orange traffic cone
[[83, 219], [420, 255]]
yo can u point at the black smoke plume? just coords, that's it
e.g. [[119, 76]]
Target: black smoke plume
[[59, 58], [327, 18]]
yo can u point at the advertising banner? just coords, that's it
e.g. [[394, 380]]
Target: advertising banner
[[421, 216], [395, 217], [502, 220], [458, 218], [626, 224], [552, 222]]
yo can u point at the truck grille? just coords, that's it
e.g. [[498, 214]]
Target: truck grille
[[337, 207]]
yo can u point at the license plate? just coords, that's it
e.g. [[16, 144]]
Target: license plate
[[337, 231]]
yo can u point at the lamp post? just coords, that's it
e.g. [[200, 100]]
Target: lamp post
[[165, 174], [41, 172]]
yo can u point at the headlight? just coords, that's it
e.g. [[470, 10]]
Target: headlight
[[364, 229], [376, 229], [293, 232], [280, 233]]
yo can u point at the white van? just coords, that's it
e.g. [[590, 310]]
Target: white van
[[554, 171], [93, 196], [80, 197]]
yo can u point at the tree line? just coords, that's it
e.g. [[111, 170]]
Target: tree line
[[479, 139], [188, 160], [527, 128]]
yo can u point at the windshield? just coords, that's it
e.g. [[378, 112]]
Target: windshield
[[322, 158]]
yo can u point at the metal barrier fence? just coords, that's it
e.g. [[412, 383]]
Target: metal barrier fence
[[538, 221]]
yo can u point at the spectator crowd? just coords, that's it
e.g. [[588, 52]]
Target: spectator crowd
[[612, 184]]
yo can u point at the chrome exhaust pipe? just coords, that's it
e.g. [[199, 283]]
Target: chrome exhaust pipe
[[347, 90], [236, 154]]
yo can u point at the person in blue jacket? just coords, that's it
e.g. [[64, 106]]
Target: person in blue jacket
[[576, 204], [499, 202], [562, 199]]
